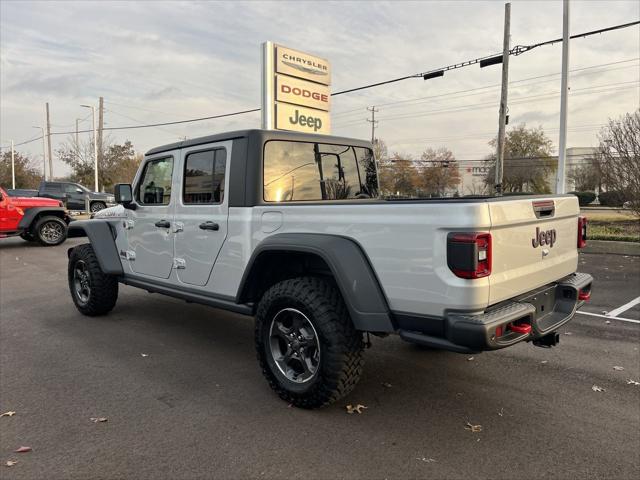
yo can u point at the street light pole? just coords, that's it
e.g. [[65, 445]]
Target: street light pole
[[95, 144], [564, 91], [13, 168], [44, 155]]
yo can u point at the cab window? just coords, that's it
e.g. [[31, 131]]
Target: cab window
[[301, 171], [204, 177], [155, 184]]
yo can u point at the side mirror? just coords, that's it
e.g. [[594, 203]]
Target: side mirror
[[124, 195], [78, 190]]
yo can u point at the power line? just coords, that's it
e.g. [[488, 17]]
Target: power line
[[518, 50]]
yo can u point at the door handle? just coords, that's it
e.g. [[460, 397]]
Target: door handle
[[163, 224], [209, 226]]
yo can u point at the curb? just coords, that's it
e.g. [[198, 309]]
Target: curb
[[612, 247]]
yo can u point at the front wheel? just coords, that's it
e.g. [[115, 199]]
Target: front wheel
[[307, 346], [97, 206], [93, 292], [50, 231]]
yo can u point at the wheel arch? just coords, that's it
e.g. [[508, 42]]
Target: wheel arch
[[32, 215], [333, 255], [101, 235]]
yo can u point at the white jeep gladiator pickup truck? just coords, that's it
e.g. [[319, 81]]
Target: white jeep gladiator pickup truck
[[290, 228]]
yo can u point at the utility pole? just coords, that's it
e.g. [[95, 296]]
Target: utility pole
[[564, 91], [44, 155], [100, 126], [77, 140], [13, 167], [49, 144], [502, 117], [95, 145], [373, 122]]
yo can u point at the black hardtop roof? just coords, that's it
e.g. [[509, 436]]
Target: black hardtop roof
[[262, 135]]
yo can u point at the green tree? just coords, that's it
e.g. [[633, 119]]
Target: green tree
[[528, 164], [397, 175], [439, 172], [27, 174]]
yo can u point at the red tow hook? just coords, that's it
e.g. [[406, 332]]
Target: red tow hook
[[584, 295], [523, 328]]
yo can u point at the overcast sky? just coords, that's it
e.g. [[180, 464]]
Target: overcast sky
[[164, 61]]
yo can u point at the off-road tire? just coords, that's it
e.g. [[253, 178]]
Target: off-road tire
[[341, 345], [50, 223], [103, 288], [97, 206]]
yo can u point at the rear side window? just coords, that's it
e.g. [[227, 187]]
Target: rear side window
[[300, 171], [204, 177], [155, 186], [52, 188]]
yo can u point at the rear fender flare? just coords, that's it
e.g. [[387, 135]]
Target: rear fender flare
[[351, 270], [30, 214], [102, 235]]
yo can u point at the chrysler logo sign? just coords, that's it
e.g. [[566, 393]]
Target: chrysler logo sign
[[302, 65]]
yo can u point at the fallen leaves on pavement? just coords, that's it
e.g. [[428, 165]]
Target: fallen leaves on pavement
[[618, 368], [8, 414], [596, 388], [357, 409], [386, 385], [23, 450], [144, 354], [98, 419], [11, 463], [473, 428], [426, 460], [632, 382], [470, 359]]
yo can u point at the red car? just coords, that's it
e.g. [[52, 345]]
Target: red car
[[33, 218]]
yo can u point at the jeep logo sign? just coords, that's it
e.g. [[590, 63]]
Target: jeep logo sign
[[547, 237], [301, 119]]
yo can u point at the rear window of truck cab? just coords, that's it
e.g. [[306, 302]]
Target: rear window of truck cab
[[305, 171]]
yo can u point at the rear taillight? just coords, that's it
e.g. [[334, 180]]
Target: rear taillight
[[582, 232], [469, 254]]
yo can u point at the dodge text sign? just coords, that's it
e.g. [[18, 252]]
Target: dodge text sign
[[302, 119], [302, 65], [301, 92]]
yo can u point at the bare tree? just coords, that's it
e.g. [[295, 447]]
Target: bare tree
[[618, 157], [118, 163], [398, 175], [584, 177]]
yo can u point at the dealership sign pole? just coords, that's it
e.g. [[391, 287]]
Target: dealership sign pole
[[295, 90]]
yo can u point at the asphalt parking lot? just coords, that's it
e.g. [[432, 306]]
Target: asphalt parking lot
[[183, 396]]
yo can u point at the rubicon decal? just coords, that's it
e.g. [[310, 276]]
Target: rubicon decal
[[546, 237], [301, 92]]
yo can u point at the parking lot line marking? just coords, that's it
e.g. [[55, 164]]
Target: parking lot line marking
[[609, 318], [624, 308]]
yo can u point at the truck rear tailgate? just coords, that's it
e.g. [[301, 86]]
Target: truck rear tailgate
[[534, 242]]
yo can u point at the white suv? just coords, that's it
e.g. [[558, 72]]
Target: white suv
[[290, 228]]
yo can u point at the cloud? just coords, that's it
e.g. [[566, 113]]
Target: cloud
[[158, 61]]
